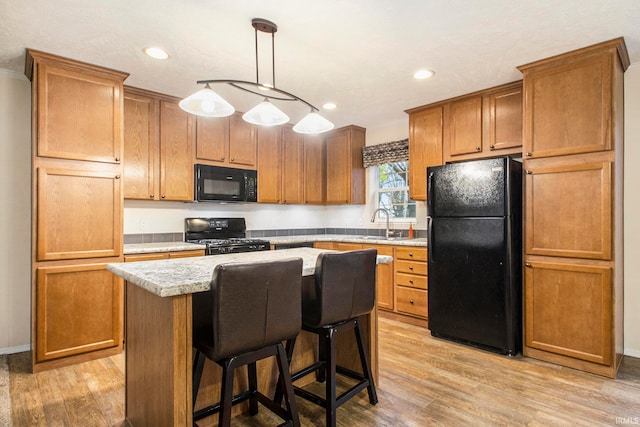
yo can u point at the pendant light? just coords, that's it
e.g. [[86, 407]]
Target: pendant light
[[208, 103]]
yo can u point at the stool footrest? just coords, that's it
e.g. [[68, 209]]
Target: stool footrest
[[306, 371]]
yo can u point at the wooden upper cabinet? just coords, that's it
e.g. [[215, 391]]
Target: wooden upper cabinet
[[570, 104], [79, 109], [569, 207], [502, 120], [292, 166], [463, 127], [177, 141], [242, 142], [70, 200], [212, 139], [484, 124], [226, 141], [425, 148], [269, 164], [577, 297], [345, 171], [314, 169], [141, 146]]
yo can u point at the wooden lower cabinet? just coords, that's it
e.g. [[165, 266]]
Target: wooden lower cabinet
[[154, 256], [324, 245], [410, 267], [78, 310], [384, 278], [569, 311]]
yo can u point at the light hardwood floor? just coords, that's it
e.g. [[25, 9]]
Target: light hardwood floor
[[423, 381]]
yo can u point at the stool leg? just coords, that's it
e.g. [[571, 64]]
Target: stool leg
[[322, 357], [253, 388], [285, 383], [366, 368], [226, 394], [277, 397], [198, 366], [330, 369]]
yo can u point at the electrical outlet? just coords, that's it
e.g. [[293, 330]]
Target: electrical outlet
[[143, 224]]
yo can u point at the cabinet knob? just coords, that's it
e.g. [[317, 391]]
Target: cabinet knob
[[151, 196], [117, 176], [411, 267], [411, 281], [233, 160], [410, 253], [284, 201], [529, 172], [478, 148], [117, 159], [492, 147], [528, 154], [527, 265], [163, 196], [411, 301], [222, 158]]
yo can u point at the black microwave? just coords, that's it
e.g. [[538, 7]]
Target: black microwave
[[219, 184]]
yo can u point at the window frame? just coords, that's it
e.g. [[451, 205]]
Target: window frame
[[380, 218]]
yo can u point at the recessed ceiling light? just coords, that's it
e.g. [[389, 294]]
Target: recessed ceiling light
[[423, 74], [155, 52], [329, 106]]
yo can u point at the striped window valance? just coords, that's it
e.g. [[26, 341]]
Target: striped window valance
[[388, 152]]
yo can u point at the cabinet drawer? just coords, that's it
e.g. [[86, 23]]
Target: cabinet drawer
[[411, 280], [411, 253], [411, 301], [411, 267]]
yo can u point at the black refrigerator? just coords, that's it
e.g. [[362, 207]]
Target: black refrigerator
[[474, 220]]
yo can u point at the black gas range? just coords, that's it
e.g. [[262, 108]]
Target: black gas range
[[222, 235]]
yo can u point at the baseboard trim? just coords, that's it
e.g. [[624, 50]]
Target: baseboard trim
[[632, 352], [12, 350]]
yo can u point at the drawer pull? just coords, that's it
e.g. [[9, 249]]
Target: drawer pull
[[411, 301], [410, 253], [411, 267], [411, 281]]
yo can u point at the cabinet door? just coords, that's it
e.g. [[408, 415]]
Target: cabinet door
[[314, 169], [79, 308], [212, 139], [177, 139], [338, 161], [269, 164], [502, 118], [242, 142], [79, 114], [568, 107], [463, 128], [292, 167], [79, 214], [568, 310], [425, 149], [141, 147], [384, 278], [568, 208]]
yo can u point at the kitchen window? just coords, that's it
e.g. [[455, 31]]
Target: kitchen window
[[393, 190]]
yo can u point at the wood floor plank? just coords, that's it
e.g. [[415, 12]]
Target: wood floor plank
[[423, 381]]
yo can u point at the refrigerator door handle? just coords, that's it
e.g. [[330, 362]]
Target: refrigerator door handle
[[429, 240], [429, 189]]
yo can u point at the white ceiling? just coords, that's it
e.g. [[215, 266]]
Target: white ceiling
[[359, 54]]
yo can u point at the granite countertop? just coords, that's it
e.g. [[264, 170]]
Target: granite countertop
[[373, 240], [181, 276], [143, 248]]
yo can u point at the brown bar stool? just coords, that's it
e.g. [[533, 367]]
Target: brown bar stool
[[343, 288], [249, 311]]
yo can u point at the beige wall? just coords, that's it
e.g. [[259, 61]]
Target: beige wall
[[15, 212], [632, 211]]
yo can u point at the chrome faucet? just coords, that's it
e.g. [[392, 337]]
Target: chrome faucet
[[373, 219]]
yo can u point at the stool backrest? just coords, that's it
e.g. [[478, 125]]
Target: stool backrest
[[344, 287], [251, 306]]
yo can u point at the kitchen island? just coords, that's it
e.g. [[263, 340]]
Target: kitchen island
[[159, 336]]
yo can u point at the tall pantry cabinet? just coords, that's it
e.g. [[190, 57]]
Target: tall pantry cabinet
[[573, 148], [77, 126]]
